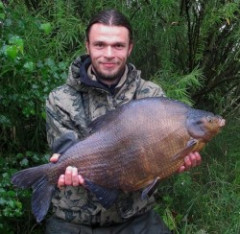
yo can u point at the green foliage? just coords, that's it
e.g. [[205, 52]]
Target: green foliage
[[176, 38], [15, 203], [190, 48], [26, 80], [179, 87], [206, 199]]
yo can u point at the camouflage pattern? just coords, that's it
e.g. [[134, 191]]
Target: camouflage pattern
[[71, 108], [149, 223]]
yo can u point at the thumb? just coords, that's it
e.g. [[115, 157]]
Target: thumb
[[54, 158]]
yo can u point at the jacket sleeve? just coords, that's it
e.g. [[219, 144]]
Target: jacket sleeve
[[60, 119], [149, 89]]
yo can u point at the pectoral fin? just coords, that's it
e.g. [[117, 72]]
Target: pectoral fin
[[62, 144], [104, 195], [147, 192], [189, 148]]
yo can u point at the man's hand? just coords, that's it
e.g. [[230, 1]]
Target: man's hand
[[192, 160], [71, 176]]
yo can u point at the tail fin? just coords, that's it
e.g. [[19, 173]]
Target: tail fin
[[36, 178]]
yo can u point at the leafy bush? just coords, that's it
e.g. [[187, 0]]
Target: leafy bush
[[27, 76], [26, 80], [15, 203], [190, 48]]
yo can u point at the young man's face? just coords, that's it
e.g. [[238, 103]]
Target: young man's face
[[109, 48]]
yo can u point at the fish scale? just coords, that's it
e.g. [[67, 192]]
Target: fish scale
[[129, 149]]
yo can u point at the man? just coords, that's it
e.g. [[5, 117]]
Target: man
[[99, 82]]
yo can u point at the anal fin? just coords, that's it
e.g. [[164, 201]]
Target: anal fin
[[105, 196]]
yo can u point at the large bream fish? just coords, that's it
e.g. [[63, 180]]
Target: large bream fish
[[129, 149]]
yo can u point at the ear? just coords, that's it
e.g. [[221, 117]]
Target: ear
[[130, 48], [87, 46]]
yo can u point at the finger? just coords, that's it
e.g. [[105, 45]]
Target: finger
[[80, 179], [181, 169], [193, 159], [187, 163], [61, 181], [68, 176], [54, 157], [75, 179], [198, 158]]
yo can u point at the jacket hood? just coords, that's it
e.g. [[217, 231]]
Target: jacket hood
[[79, 80]]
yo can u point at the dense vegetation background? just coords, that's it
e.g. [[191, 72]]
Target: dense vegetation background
[[190, 48]]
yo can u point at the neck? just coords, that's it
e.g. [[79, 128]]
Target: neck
[[109, 82]]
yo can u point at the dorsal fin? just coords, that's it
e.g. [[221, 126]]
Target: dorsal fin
[[103, 120]]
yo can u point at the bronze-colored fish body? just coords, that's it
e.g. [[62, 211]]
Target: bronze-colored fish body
[[130, 148]]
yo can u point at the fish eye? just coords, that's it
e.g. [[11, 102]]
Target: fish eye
[[199, 122]]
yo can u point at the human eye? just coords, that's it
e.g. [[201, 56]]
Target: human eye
[[119, 46], [99, 45]]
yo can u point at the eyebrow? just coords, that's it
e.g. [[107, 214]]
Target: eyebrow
[[105, 43]]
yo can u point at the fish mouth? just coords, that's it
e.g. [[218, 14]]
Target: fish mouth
[[222, 122]]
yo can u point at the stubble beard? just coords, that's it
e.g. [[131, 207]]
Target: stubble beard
[[111, 77]]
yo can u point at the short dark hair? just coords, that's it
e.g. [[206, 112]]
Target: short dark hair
[[111, 18]]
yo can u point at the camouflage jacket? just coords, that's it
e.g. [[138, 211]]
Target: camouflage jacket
[[70, 108]]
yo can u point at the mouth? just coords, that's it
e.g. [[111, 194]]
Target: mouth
[[109, 65]]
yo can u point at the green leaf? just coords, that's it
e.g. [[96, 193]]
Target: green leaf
[[11, 51], [11, 193], [2, 16], [2, 201], [36, 158], [19, 156], [18, 204], [169, 219], [46, 27], [4, 120], [50, 62], [29, 66], [24, 162], [43, 114], [17, 41], [62, 65]]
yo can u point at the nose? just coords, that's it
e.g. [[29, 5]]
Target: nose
[[109, 52]]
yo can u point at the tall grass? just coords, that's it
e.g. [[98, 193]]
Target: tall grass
[[207, 199]]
